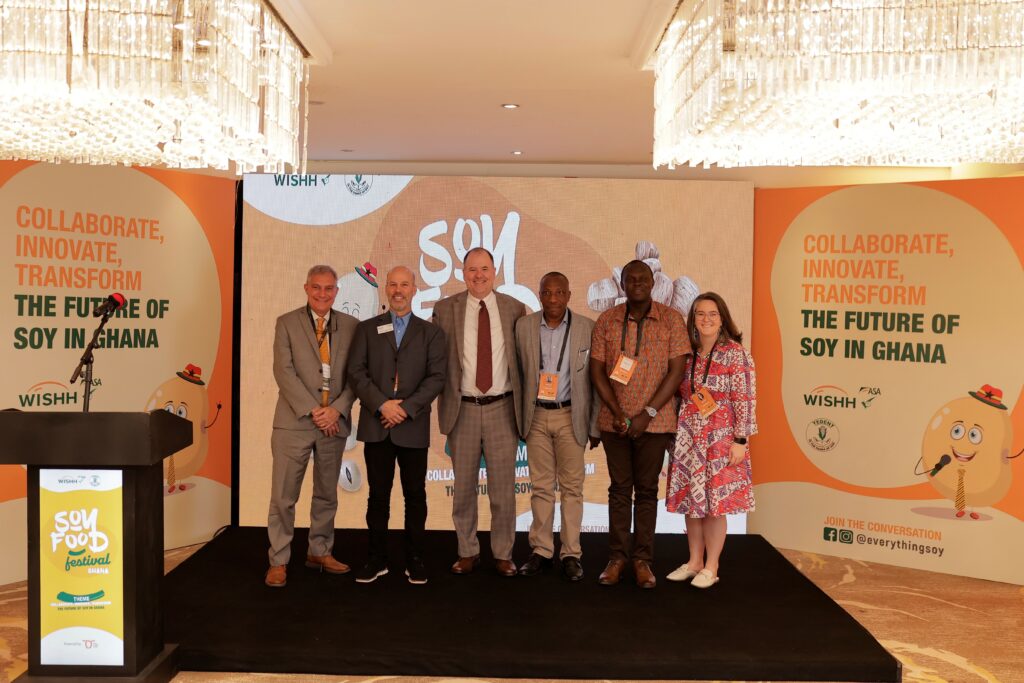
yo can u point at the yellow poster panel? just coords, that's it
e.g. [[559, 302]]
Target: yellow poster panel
[[81, 567]]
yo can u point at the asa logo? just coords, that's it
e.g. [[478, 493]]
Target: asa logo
[[48, 393], [358, 184]]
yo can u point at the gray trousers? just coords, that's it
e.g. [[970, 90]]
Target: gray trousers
[[291, 449], [489, 431]]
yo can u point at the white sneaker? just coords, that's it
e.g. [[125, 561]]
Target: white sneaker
[[682, 573], [704, 579]]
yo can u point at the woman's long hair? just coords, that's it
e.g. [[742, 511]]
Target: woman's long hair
[[729, 329]]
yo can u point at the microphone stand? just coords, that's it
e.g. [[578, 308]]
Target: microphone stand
[[86, 362]]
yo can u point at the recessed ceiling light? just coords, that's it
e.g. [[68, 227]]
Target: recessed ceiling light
[[348, 150], [317, 103], [204, 42], [517, 152], [510, 105], [180, 26]]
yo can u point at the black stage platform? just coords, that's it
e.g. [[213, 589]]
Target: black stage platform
[[763, 621]]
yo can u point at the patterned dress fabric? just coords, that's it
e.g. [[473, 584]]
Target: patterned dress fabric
[[700, 481]]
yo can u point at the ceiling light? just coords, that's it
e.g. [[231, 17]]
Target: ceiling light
[[510, 105], [517, 152], [860, 82], [178, 84]]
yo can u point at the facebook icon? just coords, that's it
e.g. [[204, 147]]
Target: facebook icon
[[830, 534]]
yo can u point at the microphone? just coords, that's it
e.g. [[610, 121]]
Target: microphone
[[112, 303], [943, 461]]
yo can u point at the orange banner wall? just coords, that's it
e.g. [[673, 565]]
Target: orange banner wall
[[164, 239], [887, 326]]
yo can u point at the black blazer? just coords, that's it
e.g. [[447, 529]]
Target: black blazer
[[420, 363]]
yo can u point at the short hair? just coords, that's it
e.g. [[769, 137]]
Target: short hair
[[729, 329], [322, 270], [394, 268], [633, 264], [475, 250], [553, 273]]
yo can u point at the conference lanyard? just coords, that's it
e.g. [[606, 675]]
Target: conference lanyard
[[707, 368], [565, 339], [639, 333]]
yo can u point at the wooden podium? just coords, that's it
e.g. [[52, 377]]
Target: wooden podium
[[89, 460]]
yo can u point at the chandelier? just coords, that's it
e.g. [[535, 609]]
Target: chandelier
[[840, 82], [177, 83]]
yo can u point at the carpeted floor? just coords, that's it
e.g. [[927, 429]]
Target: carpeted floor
[[225, 619], [944, 629]]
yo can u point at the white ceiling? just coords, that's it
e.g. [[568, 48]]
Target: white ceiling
[[417, 86]]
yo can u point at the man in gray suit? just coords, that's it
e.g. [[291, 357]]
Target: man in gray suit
[[397, 368], [560, 414], [311, 346], [479, 408]]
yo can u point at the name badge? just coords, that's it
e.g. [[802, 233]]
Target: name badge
[[548, 388], [384, 329], [704, 402], [624, 369]]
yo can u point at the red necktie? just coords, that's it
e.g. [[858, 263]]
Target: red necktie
[[484, 374]]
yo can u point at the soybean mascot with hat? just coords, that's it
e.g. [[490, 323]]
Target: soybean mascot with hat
[[966, 451], [185, 395]]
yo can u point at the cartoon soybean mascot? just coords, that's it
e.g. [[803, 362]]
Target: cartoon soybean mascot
[[185, 395], [966, 450]]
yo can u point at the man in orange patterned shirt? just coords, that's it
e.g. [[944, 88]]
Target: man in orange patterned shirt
[[637, 357]]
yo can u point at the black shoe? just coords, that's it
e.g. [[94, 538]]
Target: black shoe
[[535, 565], [572, 569], [374, 568], [416, 570]]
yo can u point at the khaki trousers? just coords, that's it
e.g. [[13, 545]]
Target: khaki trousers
[[553, 452]]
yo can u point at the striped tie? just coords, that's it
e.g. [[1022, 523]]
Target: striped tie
[[961, 498], [325, 354]]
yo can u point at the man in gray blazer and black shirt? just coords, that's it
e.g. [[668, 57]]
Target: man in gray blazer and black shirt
[[311, 347], [397, 368], [479, 408], [560, 416]]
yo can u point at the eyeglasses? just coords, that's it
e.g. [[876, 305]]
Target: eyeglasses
[[710, 315]]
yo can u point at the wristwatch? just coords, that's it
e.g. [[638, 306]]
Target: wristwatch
[[741, 440], [653, 412]]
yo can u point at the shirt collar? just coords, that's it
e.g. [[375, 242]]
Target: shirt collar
[[490, 299], [565, 318], [395, 317], [654, 313]]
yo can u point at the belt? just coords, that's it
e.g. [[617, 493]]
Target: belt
[[485, 400], [552, 405]]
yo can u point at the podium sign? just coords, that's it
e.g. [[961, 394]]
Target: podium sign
[[81, 567], [95, 542]]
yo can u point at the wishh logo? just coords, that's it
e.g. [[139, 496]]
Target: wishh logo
[[822, 434], [48, 393]]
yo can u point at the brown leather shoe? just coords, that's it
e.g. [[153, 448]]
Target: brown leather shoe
[[465, 565], [612, 573], [644, 575], [276, 576], [326, 563], [505, 567]]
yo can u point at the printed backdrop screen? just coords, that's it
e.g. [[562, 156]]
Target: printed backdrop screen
[[72, 234], [888, 332], [696, 235]]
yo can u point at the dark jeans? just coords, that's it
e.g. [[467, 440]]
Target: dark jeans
[[380, 474], [633, 468]]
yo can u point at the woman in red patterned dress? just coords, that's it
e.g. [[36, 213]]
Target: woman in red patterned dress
[[709, 471]]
